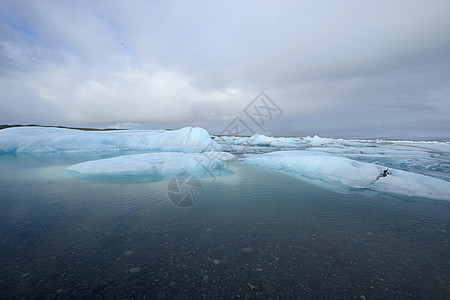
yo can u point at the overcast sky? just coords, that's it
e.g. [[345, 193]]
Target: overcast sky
[[335, 68]]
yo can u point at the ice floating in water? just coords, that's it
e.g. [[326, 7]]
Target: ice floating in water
[[333, 163], [341, 173], [280, 142], [162, 164], [260, 140], [426, 158], [316, 140], [38, 139]]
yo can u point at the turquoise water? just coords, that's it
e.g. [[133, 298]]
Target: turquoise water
[[253, 233]]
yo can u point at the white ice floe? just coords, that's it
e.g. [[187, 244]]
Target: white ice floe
[[341, 173], [280, 142], [317, 140], [259, 140], [38, 139], [427, 158], [162, 164]]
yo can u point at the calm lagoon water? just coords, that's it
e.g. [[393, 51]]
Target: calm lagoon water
[[253, 234]]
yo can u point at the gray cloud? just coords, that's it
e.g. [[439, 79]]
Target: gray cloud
[[344, 69]]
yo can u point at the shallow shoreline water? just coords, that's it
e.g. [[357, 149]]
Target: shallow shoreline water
[[253, 234]]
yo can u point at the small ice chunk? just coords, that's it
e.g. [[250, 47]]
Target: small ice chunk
[[316, 140]]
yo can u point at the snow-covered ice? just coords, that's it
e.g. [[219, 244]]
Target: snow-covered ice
[[342, 174], [37, 139], [162, 164]]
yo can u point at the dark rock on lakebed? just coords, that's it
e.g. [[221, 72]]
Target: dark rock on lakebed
[[322, 248]]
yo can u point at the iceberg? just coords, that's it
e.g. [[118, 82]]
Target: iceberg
[[262, 140], [58, 140], [420, 157], [416, 168], [317, 140], [163, 164], [257, 143], [424, 157], [343, 174]]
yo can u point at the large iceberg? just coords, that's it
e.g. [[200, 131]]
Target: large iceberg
[[342, 174], [38, 139], [163, 164]]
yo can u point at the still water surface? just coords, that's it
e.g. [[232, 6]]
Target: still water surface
[[254, 234]]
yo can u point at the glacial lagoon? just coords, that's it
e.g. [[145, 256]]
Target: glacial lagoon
[[251, 231]]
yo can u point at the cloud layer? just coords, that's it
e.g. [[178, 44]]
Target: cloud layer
[[347, 69]]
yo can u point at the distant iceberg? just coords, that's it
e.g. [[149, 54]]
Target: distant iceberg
[[164, 164], [342, 174], [258, 140], [262, 140], [57, 140], [316, 140]]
